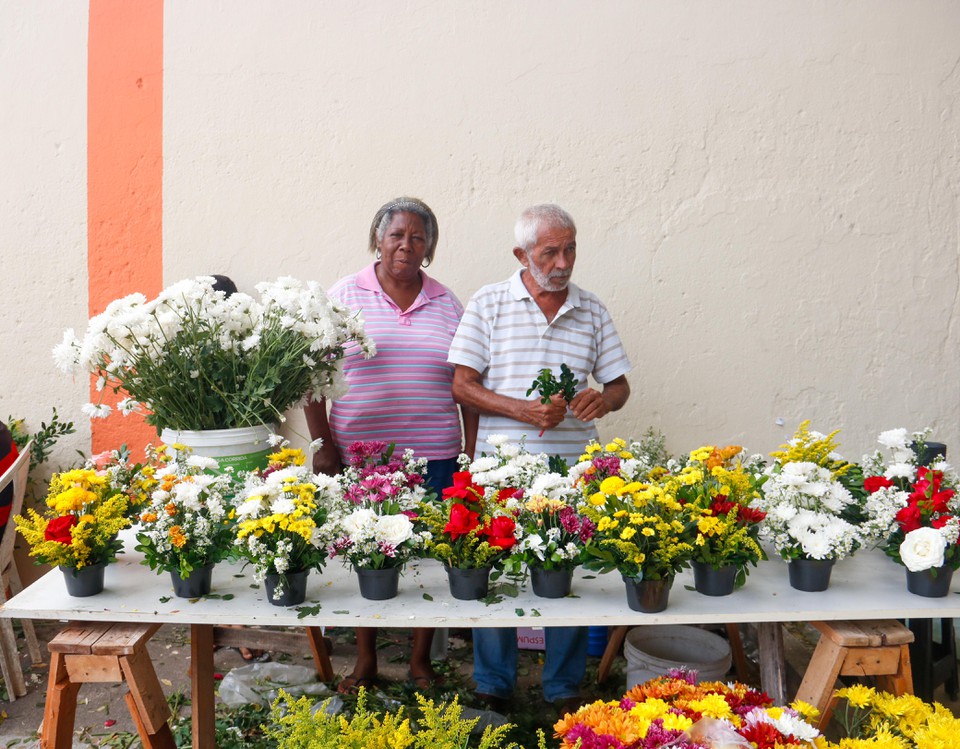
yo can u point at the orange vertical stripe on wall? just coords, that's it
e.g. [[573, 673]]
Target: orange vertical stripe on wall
[[124, 172]]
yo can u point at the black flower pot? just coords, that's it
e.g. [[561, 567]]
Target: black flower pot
[[810, 575], [468, 585], [551, 583], [288, 589], [86, 581], [648, 596], [379, 585], [932, 583], [711, 581], [195, 584]]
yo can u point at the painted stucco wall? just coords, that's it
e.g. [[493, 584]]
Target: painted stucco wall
[[43, 199], [766, 192]]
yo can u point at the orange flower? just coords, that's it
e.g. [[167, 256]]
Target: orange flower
[[176, 537], [149, 517], [171, 509]]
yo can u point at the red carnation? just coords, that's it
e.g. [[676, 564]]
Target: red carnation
[[58, 529], [504, 494], [462, 521], [500, 532], [875, 483]]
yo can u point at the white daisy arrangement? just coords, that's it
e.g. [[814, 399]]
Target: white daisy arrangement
[[281, 516], [815, 504], [185, 524], [195, 358], [375, 525], [805, 507]]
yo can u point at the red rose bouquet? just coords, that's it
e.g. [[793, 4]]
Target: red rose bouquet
[[467, 529]]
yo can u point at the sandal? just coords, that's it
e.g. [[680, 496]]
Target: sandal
[[423, 682], [351, 684], [253, 656]]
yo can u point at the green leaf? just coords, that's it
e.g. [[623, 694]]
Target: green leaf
[[519, 612], [304, 611], [427, 597]]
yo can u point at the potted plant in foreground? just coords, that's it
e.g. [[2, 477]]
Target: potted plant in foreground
[[281, 514], [553, 536], [925, 534], [718, 489], [470, 533], [374, 528], [198, 360], [185, 528], [639, 533], [78, 531], [815, 517]]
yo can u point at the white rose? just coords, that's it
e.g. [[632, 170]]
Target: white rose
[[393, 529], [923, 549], [359, 521]]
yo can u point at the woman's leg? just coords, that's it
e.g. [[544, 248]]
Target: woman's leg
[[421, 669], [365, 669]]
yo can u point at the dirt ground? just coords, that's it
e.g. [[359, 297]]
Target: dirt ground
[[169, 649]]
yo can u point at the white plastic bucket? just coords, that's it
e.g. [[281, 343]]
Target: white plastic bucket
[[653, 650], [241, 449]]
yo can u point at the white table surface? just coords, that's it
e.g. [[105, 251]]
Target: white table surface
[[867, 586]]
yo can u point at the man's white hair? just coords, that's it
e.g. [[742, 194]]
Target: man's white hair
[[536, 217]]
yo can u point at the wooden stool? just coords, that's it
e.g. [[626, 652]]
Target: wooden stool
[[104, 652], [618, 634], [870, 648]]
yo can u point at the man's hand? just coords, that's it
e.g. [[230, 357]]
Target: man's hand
[[545, 415], [589, 405]]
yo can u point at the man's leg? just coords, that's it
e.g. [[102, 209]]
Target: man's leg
[[565, 662], [495, 660]]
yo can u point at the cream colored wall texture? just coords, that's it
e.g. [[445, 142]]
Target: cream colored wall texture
[[767, 193]]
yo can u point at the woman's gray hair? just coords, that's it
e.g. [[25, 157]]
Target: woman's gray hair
[[531, 220], [405, 205]]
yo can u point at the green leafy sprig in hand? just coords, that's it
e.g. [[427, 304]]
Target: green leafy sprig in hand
[[547, 385]]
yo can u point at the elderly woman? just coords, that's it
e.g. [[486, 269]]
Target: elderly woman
[[403, 394]]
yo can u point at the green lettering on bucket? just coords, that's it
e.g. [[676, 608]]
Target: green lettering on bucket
[[246, 462]]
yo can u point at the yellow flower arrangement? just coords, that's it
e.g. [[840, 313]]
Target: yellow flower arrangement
[[80, 527], [719, 490], [639, 530]]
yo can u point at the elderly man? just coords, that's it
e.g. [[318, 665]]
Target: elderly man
[[510, 331]]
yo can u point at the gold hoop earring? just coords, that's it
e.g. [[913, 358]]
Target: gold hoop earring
[[377, 253]]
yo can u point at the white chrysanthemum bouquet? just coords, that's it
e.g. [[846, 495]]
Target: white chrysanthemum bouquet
[[812, 513], [198, 359]]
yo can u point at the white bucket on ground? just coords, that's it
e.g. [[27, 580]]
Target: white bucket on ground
[[655, 649], [243, 449]]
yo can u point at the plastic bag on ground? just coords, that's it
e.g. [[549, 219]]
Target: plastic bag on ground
[[260, 684]]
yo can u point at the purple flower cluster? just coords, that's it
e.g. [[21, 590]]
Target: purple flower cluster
[[362, 452], [377, 469], [573, 524], [607, 465]]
